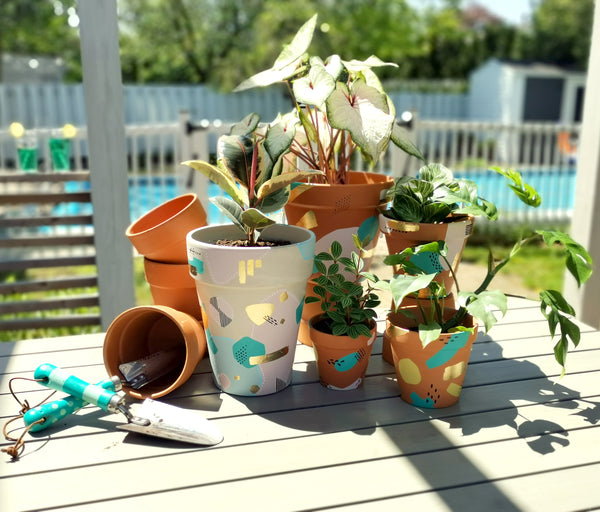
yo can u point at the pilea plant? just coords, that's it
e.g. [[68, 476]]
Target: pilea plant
[[347, 306], [341, 106], [250, 170], [420, 264]]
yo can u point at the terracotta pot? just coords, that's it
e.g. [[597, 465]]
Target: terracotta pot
[[336, 212], [145, 330], [252, 298], [172, 285], [341, 360], [400, 235], [430, 376], [160, 234]]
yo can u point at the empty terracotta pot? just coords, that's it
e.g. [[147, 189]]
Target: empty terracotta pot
[[145, 331], [172, 285], [160, 234]]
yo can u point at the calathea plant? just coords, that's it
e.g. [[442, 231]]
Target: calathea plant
[[347, 306], [420, 263], [250, 170], [340, 105]]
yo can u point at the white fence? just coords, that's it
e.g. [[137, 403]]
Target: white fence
[[155, 150]]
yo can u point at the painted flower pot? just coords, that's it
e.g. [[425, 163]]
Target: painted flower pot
[[252, 298], [401, 235], [172, 285], [160, 234], [145, 331], [341, 360], [336, 212], [430, 376]]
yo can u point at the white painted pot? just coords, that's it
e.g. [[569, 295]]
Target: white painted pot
[[252, 299]]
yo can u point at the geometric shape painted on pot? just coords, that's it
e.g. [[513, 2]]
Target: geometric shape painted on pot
[[454, 371], [196, 266], [454, 389], [308, 220], [283, 297], [457, 341], [224, 381], [427, 261], [368, 228], [210, 342], [221, 311], [267, 358], [409, 371], [246, 269], [421, 402], [260, 313], [349, 361], [299, 311], [245, 349]]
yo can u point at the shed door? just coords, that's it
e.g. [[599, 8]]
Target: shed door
[[543, 99]]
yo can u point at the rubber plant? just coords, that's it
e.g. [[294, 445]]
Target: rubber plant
[[484, 304], [250, 170], [341, 107]]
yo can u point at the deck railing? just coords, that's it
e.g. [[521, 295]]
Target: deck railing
[[544, 152]]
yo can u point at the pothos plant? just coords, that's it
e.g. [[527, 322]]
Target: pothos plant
[[250, 170], [484, 304], [340, 105], [347, 306], [434, 195]]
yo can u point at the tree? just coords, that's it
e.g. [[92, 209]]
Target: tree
[[40, 28], [562, 32]]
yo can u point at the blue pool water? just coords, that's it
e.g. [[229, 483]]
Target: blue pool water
[[556, 186]]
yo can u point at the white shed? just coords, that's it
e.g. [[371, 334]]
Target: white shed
[[513, 92]]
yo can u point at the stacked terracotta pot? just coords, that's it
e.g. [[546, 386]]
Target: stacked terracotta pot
[[174, 321]]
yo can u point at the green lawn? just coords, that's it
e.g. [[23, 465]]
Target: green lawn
[[533, 266]]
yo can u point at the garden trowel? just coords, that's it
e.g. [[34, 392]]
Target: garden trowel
[[151, 418]]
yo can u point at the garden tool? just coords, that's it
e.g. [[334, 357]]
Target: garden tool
[[56, 410], [152, 418]]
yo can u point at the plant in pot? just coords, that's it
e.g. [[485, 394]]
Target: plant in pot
[[431, 342], [432, 206], [341, 109], [251, 275], [343, 333]]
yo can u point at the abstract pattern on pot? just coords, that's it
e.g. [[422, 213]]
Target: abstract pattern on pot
[[430, 376], [252, 299]]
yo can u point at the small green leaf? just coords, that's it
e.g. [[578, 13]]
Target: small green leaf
[[230, 209], [336, 249], [429, 332]]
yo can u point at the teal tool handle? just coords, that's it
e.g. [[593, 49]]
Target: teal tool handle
[[61, 380], [56, 410]]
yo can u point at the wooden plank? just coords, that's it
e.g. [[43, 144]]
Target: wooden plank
[[99, 37], [51, 303], [46, 241], [62, 283], [45, 198], [54, 220], [68, 261], [51, 177], [51, 322]]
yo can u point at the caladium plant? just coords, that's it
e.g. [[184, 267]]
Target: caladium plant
[[340, 105], [482, 303], [250, 170]]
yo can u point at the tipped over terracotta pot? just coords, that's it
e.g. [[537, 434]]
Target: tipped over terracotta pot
[[143, 332]]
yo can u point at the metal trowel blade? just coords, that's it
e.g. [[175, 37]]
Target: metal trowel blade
[[170, 422]]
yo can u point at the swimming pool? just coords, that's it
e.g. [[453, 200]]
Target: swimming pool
[[556, 187]]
